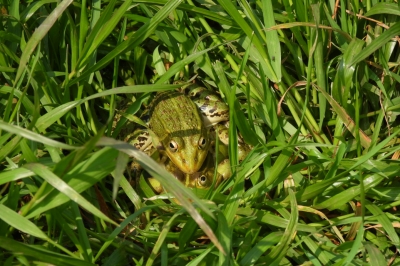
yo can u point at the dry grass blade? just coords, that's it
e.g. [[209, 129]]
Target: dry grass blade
[[347, 120]]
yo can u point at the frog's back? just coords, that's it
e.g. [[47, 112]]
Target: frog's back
[[172, 112]]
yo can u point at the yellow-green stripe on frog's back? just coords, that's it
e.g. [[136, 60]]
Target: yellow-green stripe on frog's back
[[176, 121]]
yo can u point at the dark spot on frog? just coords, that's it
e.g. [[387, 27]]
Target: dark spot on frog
[[142, 139], [203, 107]]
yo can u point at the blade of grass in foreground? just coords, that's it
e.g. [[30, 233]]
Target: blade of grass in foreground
[[40, 254], [98, 165], [27, 134], [262, 246], [64, 188], [375, 255], [23, 224]]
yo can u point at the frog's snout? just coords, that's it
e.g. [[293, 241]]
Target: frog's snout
[[191, 166], [187, 165]]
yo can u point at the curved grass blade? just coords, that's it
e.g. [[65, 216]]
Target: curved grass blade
[[23, 224], [14, 174], [40, 254], [384, 220], [347, 195], [30, 108], [375, 255], [384, 8], [64, 188], [383, 39], [22, 132], [81, 177], [161, 238], [39, 34]]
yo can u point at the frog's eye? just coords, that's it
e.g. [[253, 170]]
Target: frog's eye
[[173, 146], [202, 180], [202, 143]]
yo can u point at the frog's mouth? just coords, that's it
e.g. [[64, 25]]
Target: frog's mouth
[[188, 166]]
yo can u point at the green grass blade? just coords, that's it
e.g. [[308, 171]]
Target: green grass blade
[[347, 120], [63, 187], [34, 136], [384, 8], [39, 34], [377, 43], [279, 251], [273, 43], [83, 176], [21, 223], [137, 38], [232, 10], [40, 254]]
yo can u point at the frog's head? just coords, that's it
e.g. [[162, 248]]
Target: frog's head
[[187, 150], [202, 179]]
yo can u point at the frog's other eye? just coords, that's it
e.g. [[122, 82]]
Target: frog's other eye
[[202, 180], [173, 146], [202, 143]]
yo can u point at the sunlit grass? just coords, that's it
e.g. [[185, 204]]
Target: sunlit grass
[[314, 88]]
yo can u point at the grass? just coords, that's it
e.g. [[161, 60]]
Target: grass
[[313, 86]]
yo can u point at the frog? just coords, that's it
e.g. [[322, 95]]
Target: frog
[[180, 130], [182, 134], [175, 131]]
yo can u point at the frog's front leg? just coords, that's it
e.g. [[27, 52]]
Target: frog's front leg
[[142, 140]]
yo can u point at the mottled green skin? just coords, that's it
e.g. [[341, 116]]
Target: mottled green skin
[[175, 118]]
